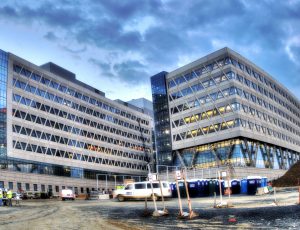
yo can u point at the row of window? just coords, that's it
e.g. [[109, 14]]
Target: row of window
[[238, 64], [46, 108], [44, 188], [201, 86], [65, 89], [245, 81], [76, 131], [75, 156], [65, 141], [197, 72], [269, 119], [232, 124], [207, 130], [267, 93], [230, 108], [71, 142], [71, 129], [207, 114], [263, 80], [228, 92], [205, 99]]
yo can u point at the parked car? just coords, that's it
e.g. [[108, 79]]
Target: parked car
[[67, 194], [15, 195], [141, 190], [27, 195]]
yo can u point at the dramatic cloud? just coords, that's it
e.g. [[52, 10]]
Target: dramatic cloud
[[149, 36]]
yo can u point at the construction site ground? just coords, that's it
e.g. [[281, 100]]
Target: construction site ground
[[249, 212]]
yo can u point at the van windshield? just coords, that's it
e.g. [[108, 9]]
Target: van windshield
[[129, 187]]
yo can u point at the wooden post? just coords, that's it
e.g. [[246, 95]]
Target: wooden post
[[220, 188], [215, 200], [191, 213], [179, 198], [187, 193], [153, 198], [162, 195], [299, 190]]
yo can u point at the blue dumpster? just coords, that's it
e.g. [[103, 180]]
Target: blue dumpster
[[211, 187], [182, 189], [264, 182], [203, 188], [193, 187], [174, 190], [252, 185], [235, 186], [244, 186], [222, 187], [259, 182], [214, 187]]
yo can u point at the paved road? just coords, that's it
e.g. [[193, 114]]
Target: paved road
[[250, 212]]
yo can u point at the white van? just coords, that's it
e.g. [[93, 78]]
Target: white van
[[67, 194], [141, 190]]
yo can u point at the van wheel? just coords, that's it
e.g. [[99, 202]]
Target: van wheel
[[121, 198]]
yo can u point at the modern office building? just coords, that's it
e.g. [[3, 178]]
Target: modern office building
[[144, 104], [59, 132], [147, 107], [224, 110]]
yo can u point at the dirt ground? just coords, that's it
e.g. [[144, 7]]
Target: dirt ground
[[251, 212]]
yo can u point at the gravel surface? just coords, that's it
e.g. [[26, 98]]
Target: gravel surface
[[250, 212]]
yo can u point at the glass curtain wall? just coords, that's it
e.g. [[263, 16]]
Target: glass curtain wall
[[237, 153], [161, 119], [3, 108]]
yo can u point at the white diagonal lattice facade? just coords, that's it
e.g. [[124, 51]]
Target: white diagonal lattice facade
[[55, 120], [223, 107]]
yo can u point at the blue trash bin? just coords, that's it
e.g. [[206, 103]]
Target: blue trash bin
[[182, 189], [244, 186], [264, 182], [252, 185], [204, 188], [193, 187], [174, 190], [235, 186], [217, 188], [211, 187]]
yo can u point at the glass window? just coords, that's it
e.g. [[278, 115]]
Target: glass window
[[11, 185], [140, 186], [19, 186]]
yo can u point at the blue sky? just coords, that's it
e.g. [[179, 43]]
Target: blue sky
[[116, 45]]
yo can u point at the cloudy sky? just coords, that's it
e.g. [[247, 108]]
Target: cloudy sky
[[116, 45]]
